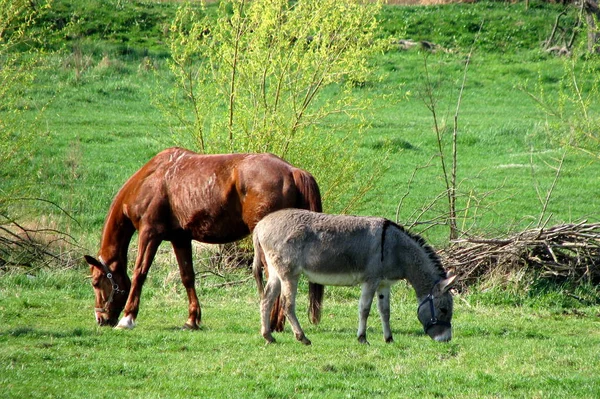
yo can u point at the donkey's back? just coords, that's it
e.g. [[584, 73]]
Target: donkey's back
[[328, 249]]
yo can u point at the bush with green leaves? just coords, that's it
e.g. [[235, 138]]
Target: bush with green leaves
[[253, 78]]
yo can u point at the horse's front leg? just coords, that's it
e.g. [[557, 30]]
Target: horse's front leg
[[183, 253], [383, 304], [147, 250], [367, 292]]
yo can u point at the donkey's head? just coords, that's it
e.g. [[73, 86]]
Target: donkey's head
[[111, 289], [435, 311]]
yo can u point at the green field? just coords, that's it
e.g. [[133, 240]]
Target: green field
[[99, 89]]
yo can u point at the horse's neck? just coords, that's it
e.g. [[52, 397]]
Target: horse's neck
[[116, 235]]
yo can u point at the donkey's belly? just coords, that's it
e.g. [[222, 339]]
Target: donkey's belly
[[340, 279]]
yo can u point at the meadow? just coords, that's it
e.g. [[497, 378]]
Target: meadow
[[100, 123]]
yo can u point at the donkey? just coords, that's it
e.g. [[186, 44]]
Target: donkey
[[346, 251]]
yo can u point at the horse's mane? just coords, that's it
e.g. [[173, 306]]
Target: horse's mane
[[433, 256]]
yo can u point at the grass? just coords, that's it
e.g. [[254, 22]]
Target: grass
[[49, 341], [101, 124]]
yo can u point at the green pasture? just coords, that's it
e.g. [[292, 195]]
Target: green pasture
[[516, 347], [94, 108]]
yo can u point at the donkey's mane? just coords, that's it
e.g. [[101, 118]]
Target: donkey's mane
[[433, 256]]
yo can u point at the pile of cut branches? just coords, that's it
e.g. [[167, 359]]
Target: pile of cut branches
[[562, 252]]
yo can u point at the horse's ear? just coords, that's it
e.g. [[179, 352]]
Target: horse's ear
[[93, 262], [445, 284]]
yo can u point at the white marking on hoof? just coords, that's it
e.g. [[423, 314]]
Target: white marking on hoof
[[126, 323]]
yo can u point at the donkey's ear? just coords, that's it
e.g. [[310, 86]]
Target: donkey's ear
[[445, 284], [93, 262]]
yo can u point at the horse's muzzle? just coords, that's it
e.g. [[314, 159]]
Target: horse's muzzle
[[101, 320]]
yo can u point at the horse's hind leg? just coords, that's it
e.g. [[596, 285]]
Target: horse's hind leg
[[289, 290], [272, 290], [183, 253], [383, 304]]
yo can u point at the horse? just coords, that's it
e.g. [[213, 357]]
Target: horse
[[347, 250], [180, 196]]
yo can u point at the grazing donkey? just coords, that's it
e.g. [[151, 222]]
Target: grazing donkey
[[349, 250]]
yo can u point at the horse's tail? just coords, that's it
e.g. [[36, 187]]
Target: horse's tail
[[258, 265], [310, 195], [310, 198]]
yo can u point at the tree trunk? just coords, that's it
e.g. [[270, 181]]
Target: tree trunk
[[592, 16]]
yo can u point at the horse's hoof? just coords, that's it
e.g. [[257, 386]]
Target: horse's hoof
[[126, 323], [306, 341], [190, 327]]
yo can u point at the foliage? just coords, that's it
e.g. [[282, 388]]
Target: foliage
[[263, 76], [17, 72]]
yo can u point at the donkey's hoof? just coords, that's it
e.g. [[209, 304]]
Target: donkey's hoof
[[389, 340], [363, 340], [269, 339], [302, 338]]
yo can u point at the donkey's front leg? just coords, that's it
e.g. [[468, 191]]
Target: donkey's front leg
[[383, 304], [147, 251], [367, 292]]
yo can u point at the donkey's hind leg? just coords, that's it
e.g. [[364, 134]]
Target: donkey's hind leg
[[289, 290], [272, 290]]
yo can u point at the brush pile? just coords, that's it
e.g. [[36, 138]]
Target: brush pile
[[567, 251]]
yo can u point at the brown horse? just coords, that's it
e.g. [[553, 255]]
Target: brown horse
[[180, 196]]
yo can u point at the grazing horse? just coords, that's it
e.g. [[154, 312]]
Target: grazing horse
[[349, 250], [180, 196]]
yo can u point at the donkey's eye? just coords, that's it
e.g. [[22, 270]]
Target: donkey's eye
[[443, 310]]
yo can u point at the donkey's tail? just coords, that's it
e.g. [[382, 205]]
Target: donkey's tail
[[258, 264], [277, 318], [310, 198]]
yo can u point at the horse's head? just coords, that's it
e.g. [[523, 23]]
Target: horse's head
[[435, 311], [111, 289]]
